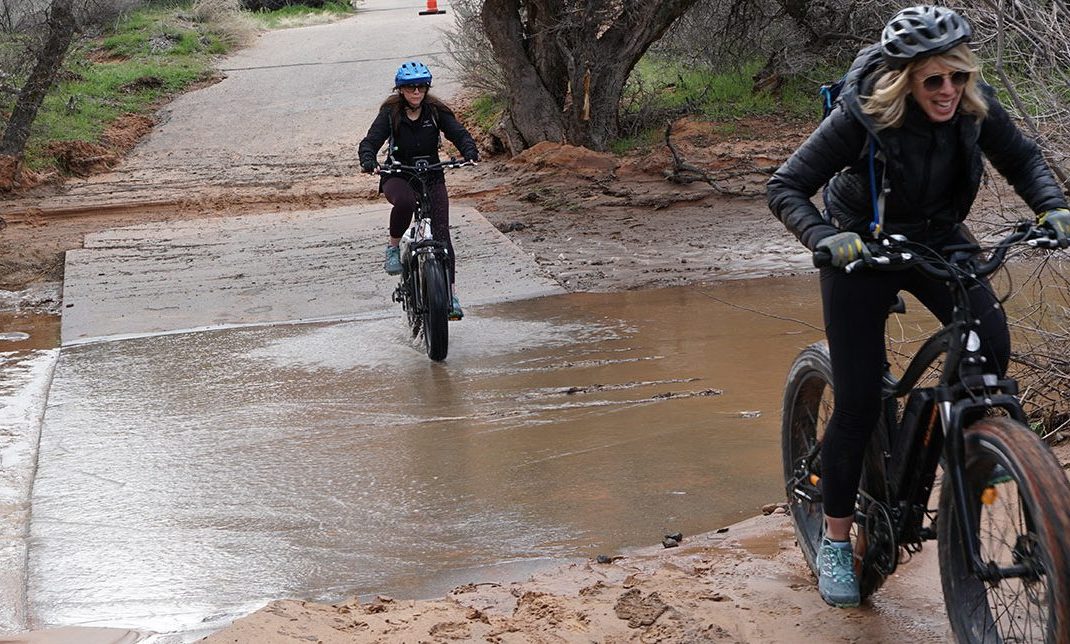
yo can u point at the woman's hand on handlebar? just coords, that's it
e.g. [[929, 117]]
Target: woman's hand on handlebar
[[1058, 221], [840, 250]]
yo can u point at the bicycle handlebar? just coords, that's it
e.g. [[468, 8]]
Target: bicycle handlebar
[[892, 252], [422, 167]]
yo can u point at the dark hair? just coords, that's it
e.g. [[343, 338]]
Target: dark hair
[[394, 102]]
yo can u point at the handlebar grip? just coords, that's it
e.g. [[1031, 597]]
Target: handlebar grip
[[822, 258]]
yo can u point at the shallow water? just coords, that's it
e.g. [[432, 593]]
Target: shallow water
[[207, 473], [20, 331]]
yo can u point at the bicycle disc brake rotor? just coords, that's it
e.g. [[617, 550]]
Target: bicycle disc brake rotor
[[882, 552]]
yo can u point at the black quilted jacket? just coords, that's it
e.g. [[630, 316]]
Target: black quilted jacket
[[413, 139], [933, 169]]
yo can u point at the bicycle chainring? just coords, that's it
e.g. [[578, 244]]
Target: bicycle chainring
[[882, 551]]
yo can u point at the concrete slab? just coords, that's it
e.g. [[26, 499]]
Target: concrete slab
[[271, 268]]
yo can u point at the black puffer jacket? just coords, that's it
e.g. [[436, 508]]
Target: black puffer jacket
[[933, 172], [413, 139]]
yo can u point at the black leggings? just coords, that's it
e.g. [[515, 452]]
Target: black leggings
[[856, 307], [402, 196]]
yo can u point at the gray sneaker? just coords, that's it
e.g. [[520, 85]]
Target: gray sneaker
[[836, 579], [392, 265]]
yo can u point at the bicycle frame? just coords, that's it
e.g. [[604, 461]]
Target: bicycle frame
[[1001, 518], [424, 288], [417, 243], [418, 239], [965, 392]]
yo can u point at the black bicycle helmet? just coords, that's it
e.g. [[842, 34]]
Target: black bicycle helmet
[[924, 30]]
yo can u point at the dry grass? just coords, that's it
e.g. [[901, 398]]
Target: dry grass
[[225, 19]]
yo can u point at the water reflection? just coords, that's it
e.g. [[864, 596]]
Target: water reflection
[[206, 472]]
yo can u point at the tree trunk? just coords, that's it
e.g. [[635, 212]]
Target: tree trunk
[[567, 63], [532, 107], [61, 28]]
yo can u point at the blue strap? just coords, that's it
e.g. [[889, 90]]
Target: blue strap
[[826, 94], [875, 226]]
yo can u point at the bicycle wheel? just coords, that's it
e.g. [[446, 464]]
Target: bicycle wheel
[[808, 397], [807, 409], [436, 308], [1021, 501]]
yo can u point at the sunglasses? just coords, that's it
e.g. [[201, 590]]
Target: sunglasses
[[417, 88], [936, 81]]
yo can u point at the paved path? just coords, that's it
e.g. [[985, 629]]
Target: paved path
[[290, 109], [271, 268]]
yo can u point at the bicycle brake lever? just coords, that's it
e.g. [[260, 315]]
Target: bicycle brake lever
[[1043, 242]]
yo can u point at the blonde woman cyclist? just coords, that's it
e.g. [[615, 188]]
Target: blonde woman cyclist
[[918, 98]]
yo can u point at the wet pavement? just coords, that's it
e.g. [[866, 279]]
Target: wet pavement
[[268, 268], [209, 472]]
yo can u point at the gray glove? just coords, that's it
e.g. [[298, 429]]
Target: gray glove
[[1059, 221], [843, 248]]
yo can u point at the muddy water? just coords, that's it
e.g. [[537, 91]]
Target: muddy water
[[207, 473], [28, 331]]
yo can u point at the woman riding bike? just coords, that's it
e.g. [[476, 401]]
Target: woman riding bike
[[917, 97], [411, 120]]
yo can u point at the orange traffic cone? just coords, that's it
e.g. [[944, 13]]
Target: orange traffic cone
[[432, 8]]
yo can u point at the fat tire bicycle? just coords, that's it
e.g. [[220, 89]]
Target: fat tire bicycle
[[423, 289], [1002, 523]]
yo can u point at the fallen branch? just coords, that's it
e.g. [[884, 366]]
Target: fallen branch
[[684, 172]]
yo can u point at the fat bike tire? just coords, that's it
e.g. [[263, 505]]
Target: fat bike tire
[[436, 308], [1020, 499], [807, 407], [806, 410]]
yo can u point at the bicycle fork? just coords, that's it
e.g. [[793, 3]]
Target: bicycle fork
[[951, 415]]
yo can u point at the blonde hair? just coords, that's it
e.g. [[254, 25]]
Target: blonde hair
[[888, 103]]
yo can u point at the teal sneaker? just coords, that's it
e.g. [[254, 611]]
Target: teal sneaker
[[455, 309], [999, 475], [836, 578], [392, 265]]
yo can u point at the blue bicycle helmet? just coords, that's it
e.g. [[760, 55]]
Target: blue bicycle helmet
[[412, 73], [918, 32]]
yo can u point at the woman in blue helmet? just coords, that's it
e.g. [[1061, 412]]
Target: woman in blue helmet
[[918, 96], [412, 119]]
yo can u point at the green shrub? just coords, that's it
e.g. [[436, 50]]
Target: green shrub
[[148, 55]]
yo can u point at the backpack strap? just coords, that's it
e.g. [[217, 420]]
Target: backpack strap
[[830, 92], [876, 198], [390, 141]]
